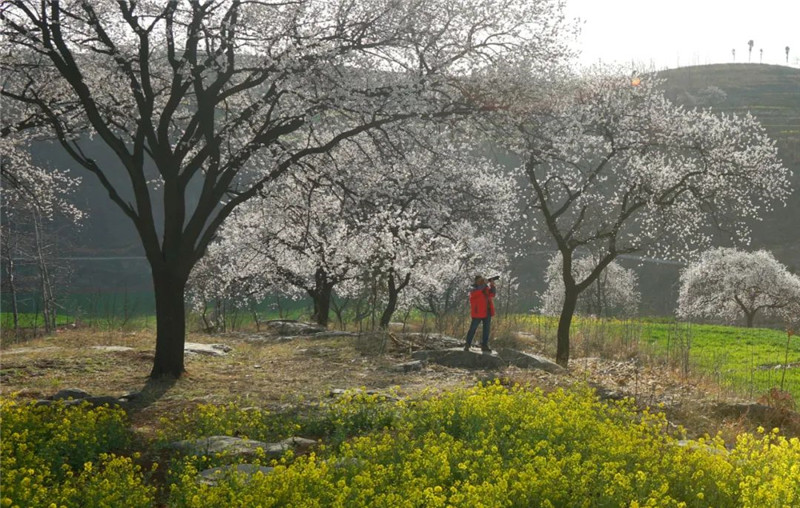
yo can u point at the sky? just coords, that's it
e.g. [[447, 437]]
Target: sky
[[677, 33]]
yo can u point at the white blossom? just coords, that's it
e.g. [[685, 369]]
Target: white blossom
[[615, 292], [727, 284]]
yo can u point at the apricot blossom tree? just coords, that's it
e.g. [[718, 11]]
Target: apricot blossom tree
[[370, 210], [204, 104], [31, 198], [614, 292], [728, 283], [614, 168]]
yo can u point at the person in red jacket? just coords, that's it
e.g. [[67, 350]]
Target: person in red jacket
[[481, 302]]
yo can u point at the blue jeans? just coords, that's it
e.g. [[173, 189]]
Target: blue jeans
[[473, 327]]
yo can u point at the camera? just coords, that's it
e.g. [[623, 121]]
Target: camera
[[493, 278]]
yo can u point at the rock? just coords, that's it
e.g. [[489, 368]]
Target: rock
[[212, 445], [694, 445], [407, 367], [289, 327], [129, 396], [70, 393], [21, 350], [257, 338], [213, 475], [112, 349], [333, 333], [299, 444], [206, 349], [70, 400], [459, 358], [103, 400], [423, 341], [529, 361], [238, 447], [605, 394], [759, 412]]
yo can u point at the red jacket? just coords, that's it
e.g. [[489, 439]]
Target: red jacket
[[481, 301]]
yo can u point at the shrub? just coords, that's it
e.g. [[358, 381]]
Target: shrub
[[351, 414], [57, 456], [225, 420], [492, 446]]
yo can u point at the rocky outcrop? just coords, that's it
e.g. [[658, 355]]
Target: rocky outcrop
[[457, 357], [206, 349], [238, 447], [412, 366], [70, 393], [112, 349], [423, 341], [215, 474], [529, 361], [76, 396], [289, 327]]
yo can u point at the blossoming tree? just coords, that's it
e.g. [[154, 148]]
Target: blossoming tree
[[220, 98], [370, 210], [31, 197], [615, 168], [444, 288], [614, 291], [728, 283]]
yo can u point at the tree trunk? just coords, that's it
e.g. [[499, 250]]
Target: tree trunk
[[322, 304], [321, 294], [394, 294], [750, 317], [12, 289], [48, 300], [564, 323], [170, 324]]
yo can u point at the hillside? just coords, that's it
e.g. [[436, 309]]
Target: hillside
[[772, 94]]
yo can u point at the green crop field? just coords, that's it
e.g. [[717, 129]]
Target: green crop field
[[747, 360], [744, 361]]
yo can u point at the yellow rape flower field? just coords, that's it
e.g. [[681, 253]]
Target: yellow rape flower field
[[487, 445]]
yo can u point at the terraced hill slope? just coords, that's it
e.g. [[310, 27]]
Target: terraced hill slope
[[772, 94]]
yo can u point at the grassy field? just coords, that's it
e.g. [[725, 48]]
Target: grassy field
[[749, 361], [741, 361], [30, 320]]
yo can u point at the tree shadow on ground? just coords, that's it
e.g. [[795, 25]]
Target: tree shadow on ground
[[151, 392]]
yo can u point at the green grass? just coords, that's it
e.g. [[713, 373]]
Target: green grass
[[747, 360], [30, 320]]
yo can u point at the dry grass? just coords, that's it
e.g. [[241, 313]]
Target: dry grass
[[278, 375], [268, 373]]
